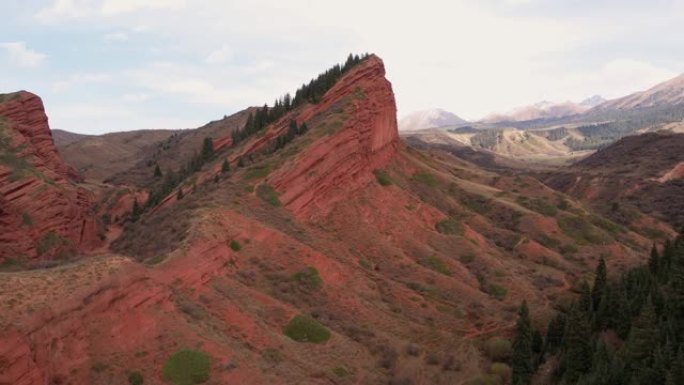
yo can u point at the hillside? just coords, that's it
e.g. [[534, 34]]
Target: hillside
[[62, 137], [432, 118], [314, 246], [130, 157], [669, 93], [539, 111], [643, 172]]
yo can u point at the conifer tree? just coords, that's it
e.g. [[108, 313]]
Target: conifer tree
[[600, 281], [136, 211], [676, 374], [522, 348], [179, 194], [157, 171], [577, 354], [654, 261], [642, 339], [225, 167]]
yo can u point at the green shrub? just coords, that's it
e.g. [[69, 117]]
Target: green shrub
[[497, 291], [50, 241], [435, 263], [340, 371], [135, 378], [467, 258], [268, 194], [187, 367], [538, 205], [382, 177], [425, 178], [450, 226], [302, 328], [10, 264], [235, 245], [580, 230], [256, 172], [484, 379], [503, 371], [308, 278], [26, 220], [498, 349]]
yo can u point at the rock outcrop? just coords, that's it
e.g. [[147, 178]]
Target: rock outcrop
[[367, 137], [43, 211]]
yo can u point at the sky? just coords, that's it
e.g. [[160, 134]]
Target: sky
[[118, 65]]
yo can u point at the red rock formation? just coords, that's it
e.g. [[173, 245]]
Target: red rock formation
[[326, 171], [40, 202]]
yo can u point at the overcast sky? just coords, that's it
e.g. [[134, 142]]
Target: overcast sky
[[112, 65]]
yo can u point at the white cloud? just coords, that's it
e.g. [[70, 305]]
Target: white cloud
[[79, 79], [221, 55], [114, 7], [74, 9], [20, 55], [116, 36], [136, 98]]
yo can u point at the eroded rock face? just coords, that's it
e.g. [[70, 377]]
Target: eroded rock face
[[326, 171], [44, 213]]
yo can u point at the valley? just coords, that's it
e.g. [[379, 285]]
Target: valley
[[311, 242]]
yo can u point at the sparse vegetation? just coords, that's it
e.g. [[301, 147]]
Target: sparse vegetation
[[450, 226], [306, 329], [235, 245], [498, 349], [268, 194], [257, 172], [308, 278], [382, 177], [580, 230], [425, 178], [135, 378], [187, 367], [435, 263]]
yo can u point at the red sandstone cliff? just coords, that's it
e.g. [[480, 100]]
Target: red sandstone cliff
[[327, 170], [43, 212]]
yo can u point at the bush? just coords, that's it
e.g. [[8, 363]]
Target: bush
[[498, 349], [580, 230], [484, 379], [425, 178], [135, 378], [450, 226], [256, 172], [308, 278], [235, 245], [435, 263], [187, 367], [497, 291], [302, 328], [382, 177], [268, 194], [467, 258], [502, 370]]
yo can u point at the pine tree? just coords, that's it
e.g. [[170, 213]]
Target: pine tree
[[179, 194], [554, 333], [585, 298], [577, 354], [136, 211], [157, 171], [654, 261], [225, 167], [522, 348], [207, 150], [676, 374], [642, 339], [600, 281]]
